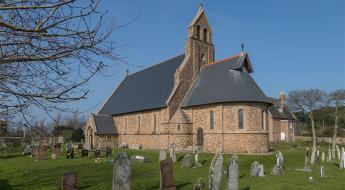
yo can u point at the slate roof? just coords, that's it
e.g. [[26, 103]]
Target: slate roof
[[144, 90], [284, 114], [105, 125], [225, 81]]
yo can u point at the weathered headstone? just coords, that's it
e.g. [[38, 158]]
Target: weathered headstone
[[329, 157], [307, 159], [317, 159], [196, 164], [216, 172], [27, 150], [323, 158], [122, 172], [199, 185], [108, 151], [254, 169], [261, 170], [162, 155], [172, 152], [280, 159], [97, 153], [84, 153], [187, 161], [69, 181], [53, 156], [342, 161], [70, 154], [278, 168], [61, 140], [322, 172], [166, 175], [233, 174], [338, 152]]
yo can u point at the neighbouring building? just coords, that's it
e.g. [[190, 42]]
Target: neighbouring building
[[281, 121], [188, 100]]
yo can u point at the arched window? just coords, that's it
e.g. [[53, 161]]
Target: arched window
[[240, 119], [211, 120], [154, 123], [263, 120], [198, 31], [205, 35]]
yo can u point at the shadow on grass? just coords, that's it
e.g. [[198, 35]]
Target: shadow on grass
[[4, 185]]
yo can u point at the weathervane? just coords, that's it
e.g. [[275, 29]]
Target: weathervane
[[201, 4], [242, 46]]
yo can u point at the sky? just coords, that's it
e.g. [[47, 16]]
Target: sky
[[292, 44]]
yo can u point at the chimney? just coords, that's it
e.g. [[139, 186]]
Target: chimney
[[127, 72]]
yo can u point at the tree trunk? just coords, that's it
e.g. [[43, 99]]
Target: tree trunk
[[312, 159], [335, 132]]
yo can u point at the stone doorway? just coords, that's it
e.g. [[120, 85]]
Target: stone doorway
[[200, 137]]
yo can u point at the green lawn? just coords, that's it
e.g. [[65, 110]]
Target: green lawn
[[22, 172]]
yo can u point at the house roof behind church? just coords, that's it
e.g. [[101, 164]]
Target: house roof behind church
[[144, 90], [224, 81], [105, 125]]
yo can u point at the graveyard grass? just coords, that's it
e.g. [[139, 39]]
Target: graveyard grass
[[22, 172]]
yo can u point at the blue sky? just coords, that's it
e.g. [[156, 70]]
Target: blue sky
[[292, 44]]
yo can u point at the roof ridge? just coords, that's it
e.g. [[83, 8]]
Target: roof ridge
[[224, 59], [156, 64]]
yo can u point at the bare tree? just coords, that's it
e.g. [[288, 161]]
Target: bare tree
[[337, 98], [49, 50], [307, 100]]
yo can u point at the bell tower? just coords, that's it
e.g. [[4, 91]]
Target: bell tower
[[199, 51], [199, 44]]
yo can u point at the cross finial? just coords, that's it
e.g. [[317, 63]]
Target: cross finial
[[201, 5], [242, 47]]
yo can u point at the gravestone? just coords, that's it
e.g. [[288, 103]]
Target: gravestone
[[27, 150], [317, 159], [322, 172], [261, 170], [108, 151], [69, 181], [166, 175], [338, 152], [323, 158], [172, 152], [196, 164], [342, 161], [61, 140], [122, 172], [307, 159], [162, 155], [233, 174], [200, 185], [97, 153], [70, 154], [254, 169], [216, 172], [278, 168], [53, 156], [187, 161], [329, 157], [84, 153], [41, 155]]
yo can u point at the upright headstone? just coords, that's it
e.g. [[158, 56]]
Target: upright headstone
[[322, 171], [233, 174], [216, 172], [329, 157], [69, 181], [338, 152], [187, 161], [254, 169], [122, 172], [313, 156], [323, 157], [162, 155], [307, 158], [278, 168], [317, 159], [261, 170], [342, 161], [167, 175], [172, 152], [197, 164], [199, 185]]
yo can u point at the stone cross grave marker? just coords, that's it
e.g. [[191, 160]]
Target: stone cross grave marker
[[122, 172], [69, 181], [172, 152], [216, 172], [197, 164], [187, 161], [162, 155], [233, 174], [166, 175]]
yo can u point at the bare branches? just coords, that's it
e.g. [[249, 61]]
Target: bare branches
[[49, 51]]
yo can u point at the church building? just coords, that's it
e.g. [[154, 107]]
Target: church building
[[187, 100]]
